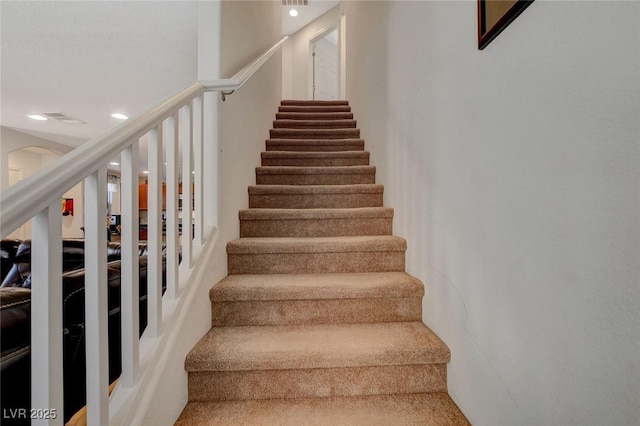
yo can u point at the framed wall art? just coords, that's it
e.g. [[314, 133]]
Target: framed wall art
[[495, 15]]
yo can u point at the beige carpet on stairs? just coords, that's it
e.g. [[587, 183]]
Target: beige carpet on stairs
[[317, 322]]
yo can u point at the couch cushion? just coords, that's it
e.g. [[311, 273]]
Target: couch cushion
[[15, 324]]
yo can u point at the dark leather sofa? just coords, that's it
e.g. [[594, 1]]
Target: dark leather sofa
[[8, 250], [15, 318]]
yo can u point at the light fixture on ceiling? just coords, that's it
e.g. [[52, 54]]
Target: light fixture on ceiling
[[119, 116], [146, 172], [293, 13], [37, 117], [114, 163]]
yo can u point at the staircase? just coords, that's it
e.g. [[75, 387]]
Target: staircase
[[317, 323]]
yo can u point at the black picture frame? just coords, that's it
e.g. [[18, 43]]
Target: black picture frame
[[501, 18]]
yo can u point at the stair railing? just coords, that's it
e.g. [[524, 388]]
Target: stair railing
[[37, 198]]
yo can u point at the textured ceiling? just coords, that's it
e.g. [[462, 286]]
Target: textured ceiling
[[90, 59]]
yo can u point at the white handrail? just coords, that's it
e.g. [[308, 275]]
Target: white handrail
[[38, 196], [36, 192], [227, 86]]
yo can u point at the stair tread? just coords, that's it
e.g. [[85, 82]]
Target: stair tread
[[311, 154], [331, 133], [316, 189], [316, 346], [314, 170], [297, 141], [253, 245], [288, 123], [316, 286], [314, 108], [319, 131], [315, 145], [313, 102], [314, 115], [311, 214], [427, 409]]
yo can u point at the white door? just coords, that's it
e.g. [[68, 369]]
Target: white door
[[325, 67]]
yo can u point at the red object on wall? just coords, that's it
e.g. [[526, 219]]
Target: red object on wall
[[67, 207]]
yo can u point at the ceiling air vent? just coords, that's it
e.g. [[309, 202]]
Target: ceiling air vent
[[295, 2], [63, 118]]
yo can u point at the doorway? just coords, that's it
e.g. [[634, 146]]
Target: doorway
[[324, 66]]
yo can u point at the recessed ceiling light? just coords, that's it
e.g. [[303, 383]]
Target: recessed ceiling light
[[119, 116], [293, 13], [146, 172], [114, 163], [37, 117]]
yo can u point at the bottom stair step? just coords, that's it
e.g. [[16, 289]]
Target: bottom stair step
[[425, 409], [315, 361]]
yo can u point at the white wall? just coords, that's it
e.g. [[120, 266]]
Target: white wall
[[249, 28], [296, 71], [514, 175]]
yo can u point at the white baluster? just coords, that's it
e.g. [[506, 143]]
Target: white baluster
[[210, 152], [130, 275], [46, 314], [172, 207], [95, 199], [154, 232], [197, 168], [185, 123]]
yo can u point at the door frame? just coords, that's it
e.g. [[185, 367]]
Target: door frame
[[340, 74]]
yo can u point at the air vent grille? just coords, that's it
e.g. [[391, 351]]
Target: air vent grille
[[295, 2], [67, 119]]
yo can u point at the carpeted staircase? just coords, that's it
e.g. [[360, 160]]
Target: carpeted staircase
[[317, 323]]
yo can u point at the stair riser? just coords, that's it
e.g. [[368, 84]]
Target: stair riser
[[316, 383], [314, 133], [316, 228], [432, 408], [316, 263], [315, 201], [316, 179], [310, 146], [312, 109], [314, 116], [326, 311], [317, 162]]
